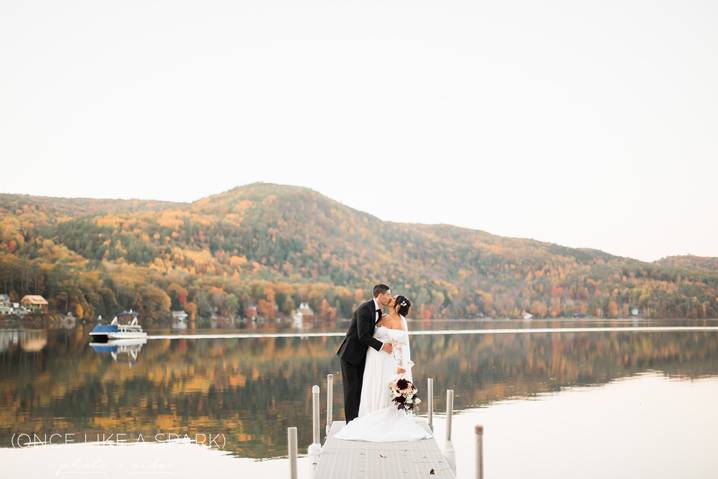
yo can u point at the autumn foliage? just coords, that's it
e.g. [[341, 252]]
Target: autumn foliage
[[266, 248]]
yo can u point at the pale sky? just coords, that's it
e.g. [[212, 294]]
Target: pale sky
[[588, 124]]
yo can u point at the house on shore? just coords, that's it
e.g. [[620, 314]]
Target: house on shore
[[306, 310], [5, 304], [300, 314], [35, 303]]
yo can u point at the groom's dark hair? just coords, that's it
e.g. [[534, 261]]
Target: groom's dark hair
[[379, 289]]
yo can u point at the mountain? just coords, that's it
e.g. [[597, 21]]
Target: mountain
[[691, 264], [269, 247]]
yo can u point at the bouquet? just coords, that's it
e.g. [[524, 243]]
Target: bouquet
[[403, 394]]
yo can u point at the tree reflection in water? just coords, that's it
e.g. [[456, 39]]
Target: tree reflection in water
[[250, 390]]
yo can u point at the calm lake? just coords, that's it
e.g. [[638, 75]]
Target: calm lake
[[558, 404]]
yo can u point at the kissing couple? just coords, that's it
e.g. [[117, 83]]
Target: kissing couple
[[374, 352]]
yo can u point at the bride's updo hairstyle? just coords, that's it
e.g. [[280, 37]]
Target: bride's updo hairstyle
[[402, 305]]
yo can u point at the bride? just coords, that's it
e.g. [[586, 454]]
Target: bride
[[379, 418]]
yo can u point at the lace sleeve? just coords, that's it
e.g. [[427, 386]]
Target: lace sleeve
[[406, 361], [399, 350]]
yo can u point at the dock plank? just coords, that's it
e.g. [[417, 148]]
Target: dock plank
[[379, 460]]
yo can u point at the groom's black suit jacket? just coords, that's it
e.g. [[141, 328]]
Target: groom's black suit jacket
[[360, 335]]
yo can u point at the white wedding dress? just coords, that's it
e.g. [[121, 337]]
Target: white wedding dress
[[379, 419]]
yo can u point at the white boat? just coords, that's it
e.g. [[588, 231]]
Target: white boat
[[106, 332]]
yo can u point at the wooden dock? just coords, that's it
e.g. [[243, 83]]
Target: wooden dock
[[342, 459], [378, 460]]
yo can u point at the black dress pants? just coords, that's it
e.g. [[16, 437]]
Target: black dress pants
[[352, 375]]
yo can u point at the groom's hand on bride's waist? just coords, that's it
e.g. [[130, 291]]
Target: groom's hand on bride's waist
[[386, 348]]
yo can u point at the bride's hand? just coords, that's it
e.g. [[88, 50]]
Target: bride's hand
[[400, 370]]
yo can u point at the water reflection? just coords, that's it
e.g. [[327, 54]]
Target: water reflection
[[129, 348], [252, 389], [28, 340], [648, 425]]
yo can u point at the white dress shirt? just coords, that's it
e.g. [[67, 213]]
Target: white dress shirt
[[376, 306]]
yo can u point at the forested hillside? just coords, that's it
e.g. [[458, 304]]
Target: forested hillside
[[271, 247]]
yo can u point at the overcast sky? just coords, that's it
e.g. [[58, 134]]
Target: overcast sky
[[588, 124]]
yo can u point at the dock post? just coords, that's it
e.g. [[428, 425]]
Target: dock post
[[430, 402], [292, 450], [316, 447], [449, 412], [330, 401], [315, 415], [479, 452]]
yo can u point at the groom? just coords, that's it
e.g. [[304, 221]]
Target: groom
[[352, 352]]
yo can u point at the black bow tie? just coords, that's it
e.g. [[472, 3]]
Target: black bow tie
[[378, 311]]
